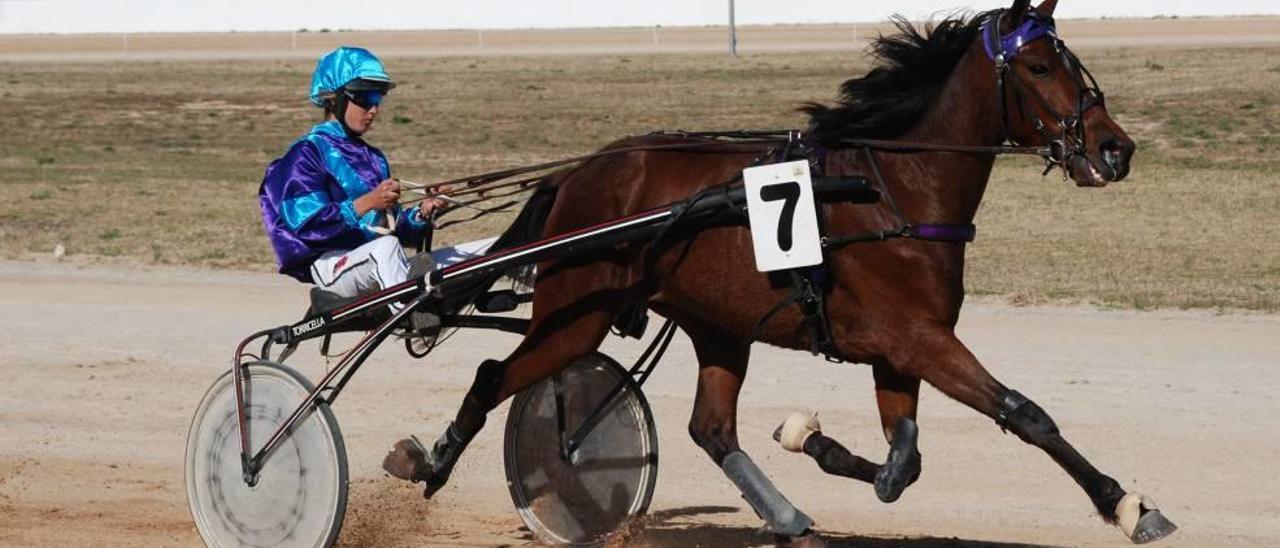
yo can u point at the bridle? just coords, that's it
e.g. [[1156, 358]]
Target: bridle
[[1069, 141]]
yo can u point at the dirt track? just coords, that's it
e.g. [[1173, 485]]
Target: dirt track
[[103, 366]]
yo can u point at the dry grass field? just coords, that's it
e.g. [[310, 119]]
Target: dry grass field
[[158, 161]]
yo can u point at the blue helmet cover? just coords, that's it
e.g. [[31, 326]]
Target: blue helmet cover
[[340, 67]]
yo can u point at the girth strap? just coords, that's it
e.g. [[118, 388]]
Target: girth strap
[[809, 295], [943, 233]]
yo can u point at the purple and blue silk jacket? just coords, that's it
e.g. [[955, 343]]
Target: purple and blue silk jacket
[[307, 199]]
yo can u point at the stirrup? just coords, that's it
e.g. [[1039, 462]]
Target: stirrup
[[423, 329], [417, 344]]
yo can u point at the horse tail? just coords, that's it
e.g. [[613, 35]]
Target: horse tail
[[528, 226], [532, 220]]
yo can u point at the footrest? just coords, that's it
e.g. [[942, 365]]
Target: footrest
[[500, 301], [324, 301]]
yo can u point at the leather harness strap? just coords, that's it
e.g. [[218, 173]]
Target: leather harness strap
[[808, 290]]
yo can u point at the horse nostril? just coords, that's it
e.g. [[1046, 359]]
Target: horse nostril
[[1116, 153]]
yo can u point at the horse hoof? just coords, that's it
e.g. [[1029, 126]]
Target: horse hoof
[[409, 460], [793, 431], [808, 540], [434, 483], [406, 460], [1138, 517], [1152, 526], [902, 467]]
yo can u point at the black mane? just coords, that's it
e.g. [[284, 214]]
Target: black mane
[[912, 67]]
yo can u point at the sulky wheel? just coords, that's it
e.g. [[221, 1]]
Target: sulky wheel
[[300, 494], [580, 499]]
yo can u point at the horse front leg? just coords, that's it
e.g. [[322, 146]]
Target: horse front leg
[[897, 399], [939, 358], [722, 366]]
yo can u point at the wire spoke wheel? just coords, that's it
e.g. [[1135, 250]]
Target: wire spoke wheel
[[580, 499], [300, 495]]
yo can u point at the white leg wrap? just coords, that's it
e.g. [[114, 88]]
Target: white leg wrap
[[1130, 509], [796, 429]]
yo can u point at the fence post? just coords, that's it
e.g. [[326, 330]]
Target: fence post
[[733, 33]]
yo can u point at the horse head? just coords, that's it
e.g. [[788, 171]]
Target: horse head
[[1050, 99]]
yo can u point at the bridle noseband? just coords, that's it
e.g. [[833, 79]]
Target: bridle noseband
[[1002, 49]]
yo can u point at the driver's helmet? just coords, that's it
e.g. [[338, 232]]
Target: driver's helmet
[[347, 67]]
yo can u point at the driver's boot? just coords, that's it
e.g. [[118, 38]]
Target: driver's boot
[[425, 320]]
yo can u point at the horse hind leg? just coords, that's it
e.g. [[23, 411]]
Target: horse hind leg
[[722, 365]]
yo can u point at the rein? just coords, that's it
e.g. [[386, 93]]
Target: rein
[[908, 146], [728, 142], [485, 182], [795, 135], [481, 185]]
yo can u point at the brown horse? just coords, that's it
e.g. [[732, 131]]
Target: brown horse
[[978, 81]]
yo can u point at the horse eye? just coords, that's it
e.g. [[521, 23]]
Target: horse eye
[[1039, 71]]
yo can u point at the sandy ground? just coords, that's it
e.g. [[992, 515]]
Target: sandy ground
[[104, 365], [1080, 33]]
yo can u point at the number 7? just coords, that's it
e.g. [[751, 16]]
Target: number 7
[[789, 192]]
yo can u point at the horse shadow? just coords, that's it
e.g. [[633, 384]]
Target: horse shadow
[[671, 528]]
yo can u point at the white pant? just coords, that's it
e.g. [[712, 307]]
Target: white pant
[[372, 267], [380, 264]]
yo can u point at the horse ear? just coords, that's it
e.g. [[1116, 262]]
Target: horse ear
[[1013, 17], [1046, 8]]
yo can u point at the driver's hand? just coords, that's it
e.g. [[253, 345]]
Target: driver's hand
[[432, 202], [384, 196]]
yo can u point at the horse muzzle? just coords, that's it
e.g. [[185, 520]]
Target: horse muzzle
[[1109, 164], [1088, 172], [1115, 155]]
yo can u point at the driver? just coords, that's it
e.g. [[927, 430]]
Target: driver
[[329, 203]]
